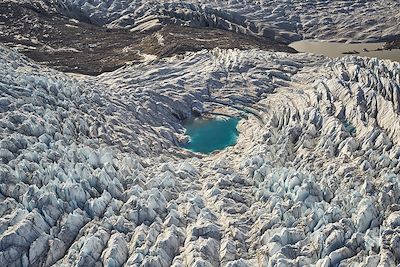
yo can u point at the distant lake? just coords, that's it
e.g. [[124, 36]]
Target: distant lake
[[338, 49], [208, 135]]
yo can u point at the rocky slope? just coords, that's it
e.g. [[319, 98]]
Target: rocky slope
[[92, 173], [39, 31]]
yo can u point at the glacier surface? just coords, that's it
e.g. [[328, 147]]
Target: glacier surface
[[285, 21], [92, 173]]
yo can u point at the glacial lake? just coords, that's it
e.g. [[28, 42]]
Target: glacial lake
[[331, 49], [208, 135]]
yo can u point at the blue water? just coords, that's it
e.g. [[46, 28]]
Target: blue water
[[207, 136]]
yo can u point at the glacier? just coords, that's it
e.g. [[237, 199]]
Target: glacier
[[92, 171], [285, 21]]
